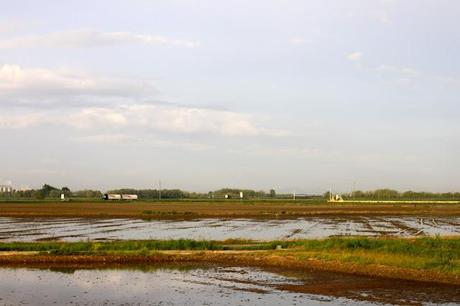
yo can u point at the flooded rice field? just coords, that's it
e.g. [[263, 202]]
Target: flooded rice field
[[75, 229], [210, 285]]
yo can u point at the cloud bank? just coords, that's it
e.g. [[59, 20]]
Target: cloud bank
[[87, 102], [355, 56], [163, 118], [44, 87], [90, 38]]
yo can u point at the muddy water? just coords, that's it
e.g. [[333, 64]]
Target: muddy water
[[20, 229], [209, 286]]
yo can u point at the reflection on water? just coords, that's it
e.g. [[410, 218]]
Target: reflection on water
[[209, 286], [72, 229]]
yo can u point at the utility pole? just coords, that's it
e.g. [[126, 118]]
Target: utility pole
[[159, 190], [353, 191]]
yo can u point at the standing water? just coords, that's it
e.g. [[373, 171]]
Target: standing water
[[209, 285], [74, 229]]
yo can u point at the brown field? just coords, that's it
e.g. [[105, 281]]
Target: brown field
[[191, 210]]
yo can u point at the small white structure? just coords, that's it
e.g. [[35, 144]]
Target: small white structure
[[116, 196], [129, 197], [62, 197], [112, 196], [6, 188], [241, 195], [227, 196]]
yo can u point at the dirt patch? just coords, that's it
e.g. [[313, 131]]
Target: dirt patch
[[193, 210]]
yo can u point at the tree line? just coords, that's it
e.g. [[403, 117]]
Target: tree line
[[50, 192], [181, 194], [390, 194]]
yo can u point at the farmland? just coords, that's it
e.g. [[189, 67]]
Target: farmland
[[407, 248], [427, 259], [219, 209]]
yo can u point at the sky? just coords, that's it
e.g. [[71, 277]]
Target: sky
[[299, 96]]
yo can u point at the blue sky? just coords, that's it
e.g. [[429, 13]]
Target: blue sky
[[292, 95]]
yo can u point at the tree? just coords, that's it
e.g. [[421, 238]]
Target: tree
[[87, 194], [55, 194], [272, 193], [46, 189], [38, 194], [66, 191]]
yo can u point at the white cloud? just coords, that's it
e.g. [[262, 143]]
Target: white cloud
[[47, 86], [402, 75], [163, 118], [115, 138], [407, 71], [448, 80], [153, 140], [384, 18], [21, 121], [170, 118], [355, 56], [293, 151], [122, 106], [11, 25], [405, 74], [92, 116], [298, 40], [89, 38]]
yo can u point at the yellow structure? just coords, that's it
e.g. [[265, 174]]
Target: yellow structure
[[335, 198]]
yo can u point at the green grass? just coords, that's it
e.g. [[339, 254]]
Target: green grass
[[426, 246], [90, 248], [425, 253], [440, 254]]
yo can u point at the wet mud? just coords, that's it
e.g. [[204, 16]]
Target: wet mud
[[77, 229]]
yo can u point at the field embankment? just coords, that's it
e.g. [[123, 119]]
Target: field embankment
[[421, 259], [219, 209]]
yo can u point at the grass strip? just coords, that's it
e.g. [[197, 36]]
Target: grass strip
[[426, 253]]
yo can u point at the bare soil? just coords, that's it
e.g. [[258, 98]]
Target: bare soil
[[194, 210]]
